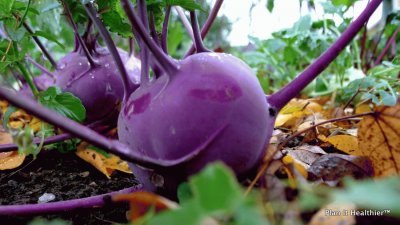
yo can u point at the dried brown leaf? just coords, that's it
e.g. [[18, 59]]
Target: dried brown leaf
[[332, 167], [379, 139]]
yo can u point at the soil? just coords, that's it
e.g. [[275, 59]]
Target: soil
[[67, 177]]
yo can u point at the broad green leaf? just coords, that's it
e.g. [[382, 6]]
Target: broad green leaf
[[64, 103], [216, 189], [5, 7]]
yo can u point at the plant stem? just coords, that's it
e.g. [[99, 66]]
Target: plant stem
[[196, 33], [112, 48], [28, 79], [41, 46], [87, 31], [132, 52], [283, 96], [185, 22], [153, 30], [207, 26], [164, 32], [391, 40], [37, 140], [144, 52], [81, 42], [164, 61], [40, 67], [62, 206]]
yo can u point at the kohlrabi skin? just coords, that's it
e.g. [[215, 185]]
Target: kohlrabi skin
[[213, 106], [98, 87]]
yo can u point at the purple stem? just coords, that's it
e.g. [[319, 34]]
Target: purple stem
[[112, 48], [87, 31], [185, 21], [153, 30], [387, 46], [132, 52], [144, 52], [40, 67], [196, 33], [41, 46], [62, 206], [37, 140], [164, 61], [291, 90], [87, 134], [81, 42], [164, 32], [207, 26]]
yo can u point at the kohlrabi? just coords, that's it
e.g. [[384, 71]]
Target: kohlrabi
[[204, 108]]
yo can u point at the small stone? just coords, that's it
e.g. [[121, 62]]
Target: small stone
[[46, 197], [93, 184], [84, 174]]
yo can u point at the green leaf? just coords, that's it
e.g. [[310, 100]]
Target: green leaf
[[186, 4], [64, 103], [346, 3], [5, 7], [41, 221], [48, 36], [114, 17], [23, 138], [381, 194], [270, 5], [216, 189], [10, 110], [14, 32]]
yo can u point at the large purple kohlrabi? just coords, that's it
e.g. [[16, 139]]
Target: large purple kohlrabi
[[213, 106]]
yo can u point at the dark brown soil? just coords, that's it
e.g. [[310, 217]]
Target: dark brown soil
[[67, 177]]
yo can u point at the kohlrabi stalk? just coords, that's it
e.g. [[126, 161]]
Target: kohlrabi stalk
[[196, 33], [39, 66], [391, 40], [111, 47], [41, 46], [62, 206], [76, 32], [144, 52], [207, 25], [164, 61], [283, 96], [164, 32], [37, 140], [185, 21]]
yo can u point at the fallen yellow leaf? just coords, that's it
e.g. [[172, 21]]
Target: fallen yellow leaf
[[296, 108], [345, 143], [379, 139], [11, 161], [104, 164]]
